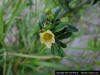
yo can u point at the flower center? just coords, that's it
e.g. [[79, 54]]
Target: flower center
[[47, 36]]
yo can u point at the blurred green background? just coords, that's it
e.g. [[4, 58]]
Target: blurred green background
[[21, 52]]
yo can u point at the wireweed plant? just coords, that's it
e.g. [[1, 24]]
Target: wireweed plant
[[32, 34], [50, 22]]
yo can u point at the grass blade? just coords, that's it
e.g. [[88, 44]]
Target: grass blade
[[52, 65], [1, 19], [15, 10]]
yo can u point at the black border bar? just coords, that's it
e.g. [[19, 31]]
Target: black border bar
[[77, 72]]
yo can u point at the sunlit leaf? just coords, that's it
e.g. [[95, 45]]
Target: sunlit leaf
[[60, 27]]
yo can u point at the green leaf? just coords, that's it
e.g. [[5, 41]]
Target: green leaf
[[64, 35], [54, 49], [43, 19], [71, 28], [62, 44], [58, 14], [57, 50], [60, 27], [65, 4], [61, 52], [50, 17]]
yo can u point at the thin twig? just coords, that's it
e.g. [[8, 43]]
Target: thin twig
[[76, 7], [81, 4]]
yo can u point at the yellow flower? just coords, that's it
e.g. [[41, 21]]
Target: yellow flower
[[47, 10], [47, 38]]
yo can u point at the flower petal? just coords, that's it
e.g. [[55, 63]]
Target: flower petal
[[48, 44], [45, 38]]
